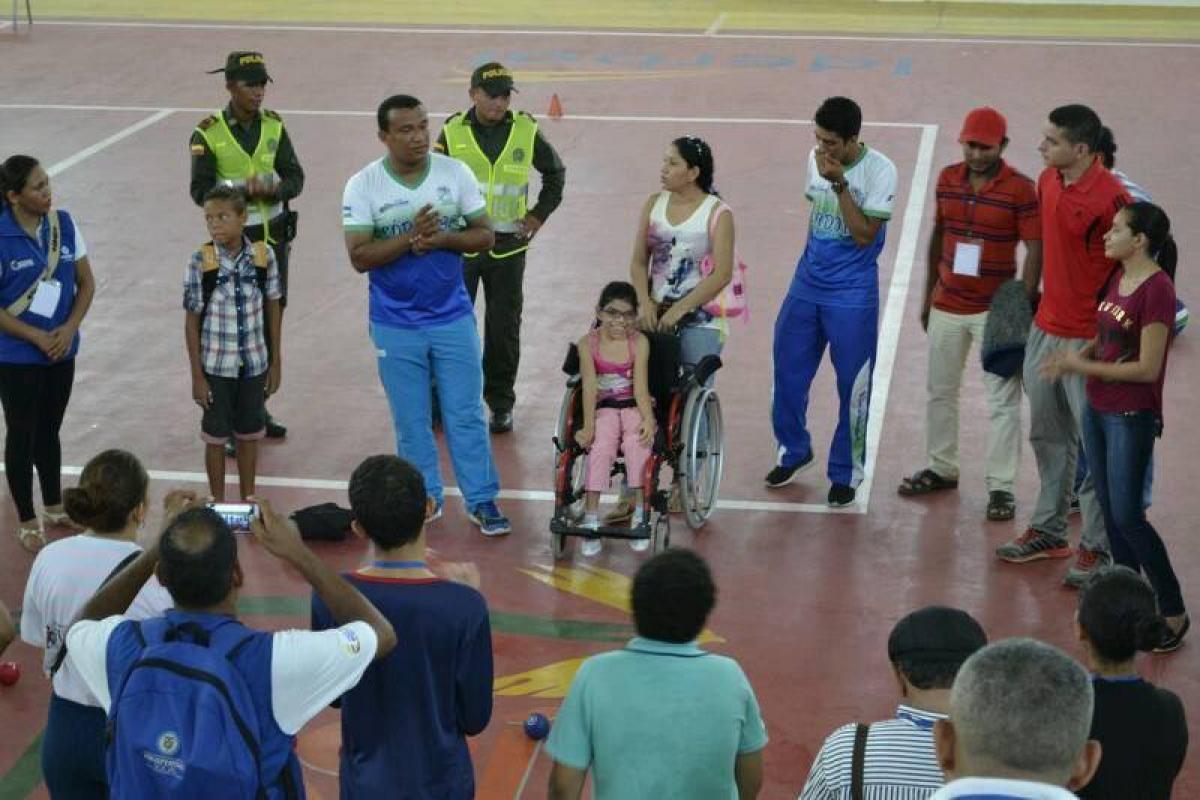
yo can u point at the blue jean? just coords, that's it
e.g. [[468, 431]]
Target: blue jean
[[408, 360], [1081, 471], [1120, 447], [73, 751], [802, 331], [696, 342]]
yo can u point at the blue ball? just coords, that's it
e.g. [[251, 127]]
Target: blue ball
[[537, 726]]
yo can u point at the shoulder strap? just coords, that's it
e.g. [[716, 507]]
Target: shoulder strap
[[18, 306], [62, 652], [208, 257], [858, 762], [714, 215], [258, 254]]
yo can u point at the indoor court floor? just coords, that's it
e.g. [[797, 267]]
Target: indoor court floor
[[807, 595]]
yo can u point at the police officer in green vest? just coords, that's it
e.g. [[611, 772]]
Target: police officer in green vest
[[500, 147], [247, 145]]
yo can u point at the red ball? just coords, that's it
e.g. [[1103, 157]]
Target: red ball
[[10, 673]]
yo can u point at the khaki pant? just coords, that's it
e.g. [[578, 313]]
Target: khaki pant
[[950, 340]]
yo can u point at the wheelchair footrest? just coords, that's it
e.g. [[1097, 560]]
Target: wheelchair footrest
[[564, 528]]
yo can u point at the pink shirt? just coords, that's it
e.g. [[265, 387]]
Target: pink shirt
[[615, 380]]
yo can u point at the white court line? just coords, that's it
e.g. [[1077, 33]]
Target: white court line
[[893, 310], [302, 112], [717, 24], [551, 32], [124, 133]]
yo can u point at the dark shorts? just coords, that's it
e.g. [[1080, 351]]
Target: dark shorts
[[238, 409]]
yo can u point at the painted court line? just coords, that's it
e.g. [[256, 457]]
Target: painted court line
[[502, 32], [717, 24], [893, 310], [124, 133], [304, 112]]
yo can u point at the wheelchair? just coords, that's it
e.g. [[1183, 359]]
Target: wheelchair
[[688, 442]]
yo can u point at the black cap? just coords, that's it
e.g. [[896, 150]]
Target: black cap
[[935, 634], [244, 65], [493, 77]]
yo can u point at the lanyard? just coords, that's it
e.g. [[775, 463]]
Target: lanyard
[[398, 564]]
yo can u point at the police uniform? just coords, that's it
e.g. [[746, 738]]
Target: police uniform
[[225, 150], [500, 156]]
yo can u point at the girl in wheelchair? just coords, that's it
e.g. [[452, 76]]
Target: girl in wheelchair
[[618, 413]]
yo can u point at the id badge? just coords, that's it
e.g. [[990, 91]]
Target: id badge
[[45, 299], [966, 258]]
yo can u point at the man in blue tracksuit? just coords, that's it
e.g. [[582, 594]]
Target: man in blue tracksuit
[[833, 299]]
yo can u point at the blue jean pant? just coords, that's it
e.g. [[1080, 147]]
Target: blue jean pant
[[73, 751], [802, 331], [1081, 472], [1120, 447], [696, 342], [409, 359]]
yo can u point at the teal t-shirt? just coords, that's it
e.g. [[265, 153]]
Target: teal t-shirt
[[658, 720]]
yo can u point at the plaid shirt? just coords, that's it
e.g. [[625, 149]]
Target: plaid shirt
[[233, 340]]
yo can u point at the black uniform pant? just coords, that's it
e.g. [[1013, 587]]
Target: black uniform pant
[[35, 400], [503, 298]]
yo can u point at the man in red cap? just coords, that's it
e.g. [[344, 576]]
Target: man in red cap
[[984, 209]]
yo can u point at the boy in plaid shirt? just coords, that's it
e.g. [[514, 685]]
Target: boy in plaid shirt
[[231, 295]]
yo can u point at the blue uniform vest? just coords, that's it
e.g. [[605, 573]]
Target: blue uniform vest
[[22, 261]]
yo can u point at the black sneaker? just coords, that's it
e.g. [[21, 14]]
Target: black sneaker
[[1174, 639], [275, 428], [782, 476], [502, 422], [230, 449], [840, 495]]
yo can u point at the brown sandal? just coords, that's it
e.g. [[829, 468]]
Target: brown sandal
[[925, 482]]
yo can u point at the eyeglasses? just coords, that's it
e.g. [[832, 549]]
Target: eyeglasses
[[618, 314]]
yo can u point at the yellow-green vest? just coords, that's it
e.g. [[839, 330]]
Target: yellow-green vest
[[235, 166], [505, 183]]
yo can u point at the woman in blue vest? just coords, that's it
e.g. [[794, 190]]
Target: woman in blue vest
[[46, 287]]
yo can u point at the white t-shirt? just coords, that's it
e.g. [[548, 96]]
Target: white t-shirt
[[309, 670], [414, 291], [65, 575]]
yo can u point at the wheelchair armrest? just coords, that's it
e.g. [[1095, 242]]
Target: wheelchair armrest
[[705, 369]]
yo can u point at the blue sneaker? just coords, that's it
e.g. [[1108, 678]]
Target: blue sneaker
[[436, 514], [489, 519]]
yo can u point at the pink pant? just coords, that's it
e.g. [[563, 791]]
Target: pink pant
[[616, 430]]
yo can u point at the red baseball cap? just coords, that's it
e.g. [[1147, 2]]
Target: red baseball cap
[[985, 125]]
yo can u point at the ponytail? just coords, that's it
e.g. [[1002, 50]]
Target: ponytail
[[1152, 222]]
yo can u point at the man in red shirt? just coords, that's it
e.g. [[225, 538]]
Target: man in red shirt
[[1078, 198], [984, 208]]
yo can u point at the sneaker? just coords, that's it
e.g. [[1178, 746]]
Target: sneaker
[[275, 428], [502, 422], [1073, 507], [1173, 639], [1087, 561], [591, 521], [840, 495], [230, 449], [782, 476], [591, 546], [638, 545], [489, 519], [436, 514], [1033, 545]]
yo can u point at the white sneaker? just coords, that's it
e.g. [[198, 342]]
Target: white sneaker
[[592, 546], [638, 545]]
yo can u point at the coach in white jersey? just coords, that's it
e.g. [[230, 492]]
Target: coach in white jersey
[[408, 218], [895, 759], [833, 300]]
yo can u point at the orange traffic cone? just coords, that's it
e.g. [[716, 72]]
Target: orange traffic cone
[[556, 109]]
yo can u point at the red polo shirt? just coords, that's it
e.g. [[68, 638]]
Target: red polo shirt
[[1074, 269], [1003, 212]]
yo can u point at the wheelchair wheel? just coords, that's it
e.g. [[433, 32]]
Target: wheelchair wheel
[[660, 534], [703, 456], [569, 487]]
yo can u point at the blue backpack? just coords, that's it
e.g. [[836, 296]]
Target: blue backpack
[[183, 723]]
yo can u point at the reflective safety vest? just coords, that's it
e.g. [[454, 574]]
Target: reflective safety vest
[[235, 166], [504, 183]]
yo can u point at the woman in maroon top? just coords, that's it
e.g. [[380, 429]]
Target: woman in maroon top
[[1125, 365]]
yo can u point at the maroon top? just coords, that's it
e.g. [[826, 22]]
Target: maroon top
[[1119, 322]]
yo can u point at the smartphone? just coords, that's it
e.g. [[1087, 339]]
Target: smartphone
[[236, 515]]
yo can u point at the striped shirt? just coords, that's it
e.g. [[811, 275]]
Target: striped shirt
[[1003, 212], [900, 762], [233, 341]]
